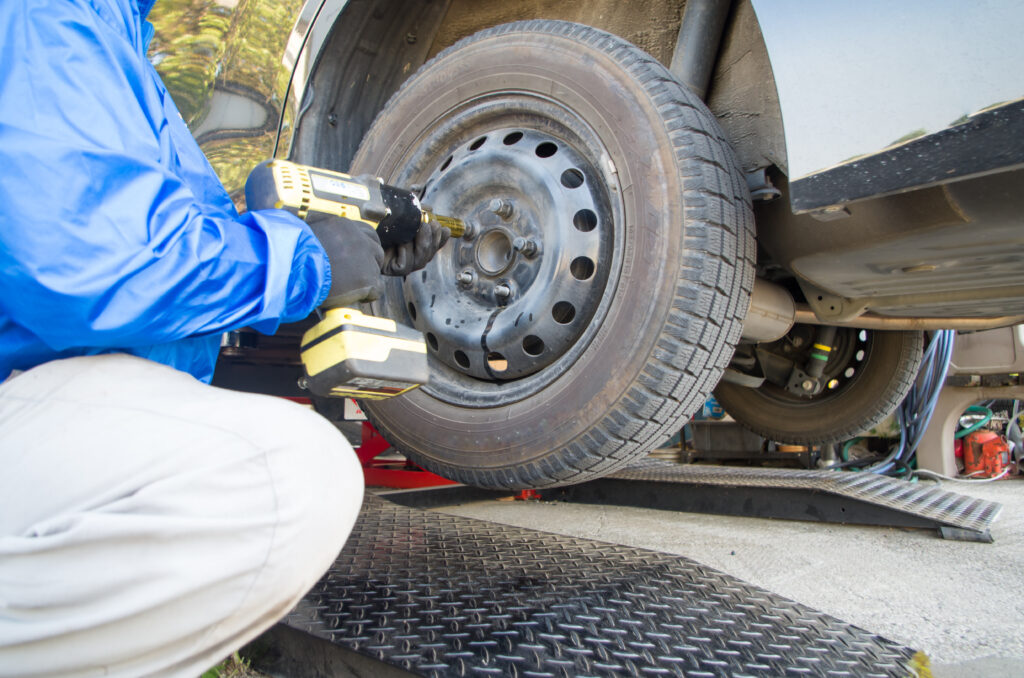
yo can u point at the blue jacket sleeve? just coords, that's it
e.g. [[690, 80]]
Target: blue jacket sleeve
[[109, 236]]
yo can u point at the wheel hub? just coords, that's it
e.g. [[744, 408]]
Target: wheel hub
[[778, 359], [519, 293]]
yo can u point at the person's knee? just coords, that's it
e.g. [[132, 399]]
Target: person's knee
[[318, 483], [314, 475]]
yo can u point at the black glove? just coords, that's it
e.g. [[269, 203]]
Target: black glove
[[412, 256], [356, 257]]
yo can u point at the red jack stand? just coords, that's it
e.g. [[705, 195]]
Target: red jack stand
[[391, 473]]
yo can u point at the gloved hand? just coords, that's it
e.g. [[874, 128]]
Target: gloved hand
[[412, 256], [356, 257]]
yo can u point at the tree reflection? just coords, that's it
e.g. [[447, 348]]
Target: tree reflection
[[205, 45]]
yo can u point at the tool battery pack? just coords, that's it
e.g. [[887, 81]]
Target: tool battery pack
[[349, 354]]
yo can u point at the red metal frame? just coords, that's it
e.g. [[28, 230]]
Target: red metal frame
[[387, 473], [399, 475]]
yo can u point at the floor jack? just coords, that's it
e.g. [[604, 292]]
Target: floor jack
[[393, 473]]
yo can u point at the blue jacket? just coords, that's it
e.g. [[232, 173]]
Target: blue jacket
[[115, 233]]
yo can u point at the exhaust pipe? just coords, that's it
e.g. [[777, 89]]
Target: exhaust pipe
[[873, 321], [773, 312]]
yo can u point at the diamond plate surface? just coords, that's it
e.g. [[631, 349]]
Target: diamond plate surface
[[955, 510], [442, 595]]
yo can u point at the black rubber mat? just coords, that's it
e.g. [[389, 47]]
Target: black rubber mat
[[441, 595]]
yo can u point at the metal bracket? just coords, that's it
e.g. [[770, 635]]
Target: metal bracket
[[734, 376], [802, 384], [831, 213], [761, 187], [958, 534], [831, 306]]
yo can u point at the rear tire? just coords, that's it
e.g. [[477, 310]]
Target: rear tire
[[672, 255], [882, 379]]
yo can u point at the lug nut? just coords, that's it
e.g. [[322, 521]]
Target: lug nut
[[808, 385], [502, 291], [465, 278], [527, 247], [503, 208]]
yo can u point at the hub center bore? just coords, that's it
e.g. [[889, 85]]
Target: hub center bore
[[494, 252]]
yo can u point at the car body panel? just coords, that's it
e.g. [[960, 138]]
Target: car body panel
[[312, 28], [873, 93], [865, 109]]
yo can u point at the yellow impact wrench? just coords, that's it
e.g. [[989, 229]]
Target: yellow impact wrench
[[348, 353]]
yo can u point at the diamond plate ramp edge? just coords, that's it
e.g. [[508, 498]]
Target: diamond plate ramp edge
[[442, 595], [929, 502]]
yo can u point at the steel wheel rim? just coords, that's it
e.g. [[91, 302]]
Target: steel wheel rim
[[505, 126], [850, 353], [514, 298]]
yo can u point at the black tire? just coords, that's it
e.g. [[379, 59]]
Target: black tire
[[881, 380], [678, 277]]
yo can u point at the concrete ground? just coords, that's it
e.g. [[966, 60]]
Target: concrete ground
[[959, 602]]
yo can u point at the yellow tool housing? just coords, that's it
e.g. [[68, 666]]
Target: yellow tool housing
[[351, 354]]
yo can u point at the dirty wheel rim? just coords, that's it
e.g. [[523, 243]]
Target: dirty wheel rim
[[507, 311], [850, 351]]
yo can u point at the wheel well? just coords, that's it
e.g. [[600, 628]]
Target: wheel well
[[375, 45]]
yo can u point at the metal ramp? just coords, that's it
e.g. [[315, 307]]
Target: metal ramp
[[424, 593], [826, 496]]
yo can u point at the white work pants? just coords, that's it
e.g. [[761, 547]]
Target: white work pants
[[150, 524]]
